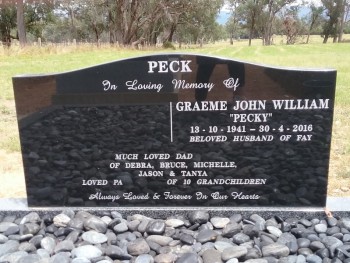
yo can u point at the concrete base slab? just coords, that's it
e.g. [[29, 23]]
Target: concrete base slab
[[338, 203], [13, 204], [338, 207]]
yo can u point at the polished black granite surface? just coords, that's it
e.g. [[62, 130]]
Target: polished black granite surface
[[177, 131]]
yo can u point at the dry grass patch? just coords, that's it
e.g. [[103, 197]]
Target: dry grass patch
[[11, 170], [339, 172], [11, 175]]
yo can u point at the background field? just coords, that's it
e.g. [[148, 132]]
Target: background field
[[63, 58]]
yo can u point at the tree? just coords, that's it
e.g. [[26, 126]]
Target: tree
[[232, 25], [132, 21], [129, 21], [174, 16], [21, 23], [257, 16], [93, 14], [70, 9], [37, 16], [293, 26], [334, 10], [28, 16], [249, 12], [314, 19], [8, 15], [343, 18], [291, 30], [233, 29], [203, 19], [271, 8]]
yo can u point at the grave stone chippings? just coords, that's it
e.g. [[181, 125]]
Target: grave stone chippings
[[176, 158]]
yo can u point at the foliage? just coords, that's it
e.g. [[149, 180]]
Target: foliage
[[315, 17], [201, 22], [293, 27], [168, 45], [233, 25], [334, 12], [266, 18], [7, 24], [250, 12], [139, 22], [37, 16], [262, 18]]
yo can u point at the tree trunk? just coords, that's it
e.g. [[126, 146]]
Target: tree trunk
[[267, 35], [268, 29], [119, 37], [112, 38], [310, 28], [343, 19], [325, 39], [72, 18], [250, 37], [6, 39], [251, 32], [97, 34], [155, 37], [328, 30], [341, 31], [201, 42], [308, 37], [335, 39], [172, 32], [20, 24]]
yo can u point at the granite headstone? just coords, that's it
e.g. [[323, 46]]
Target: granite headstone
[[176, 130]]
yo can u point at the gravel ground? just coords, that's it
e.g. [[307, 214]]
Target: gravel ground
[[197, 236]]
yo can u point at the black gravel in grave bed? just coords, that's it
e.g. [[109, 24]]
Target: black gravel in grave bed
[[141, 236]]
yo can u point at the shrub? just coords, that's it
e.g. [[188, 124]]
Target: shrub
[[168, 45]]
